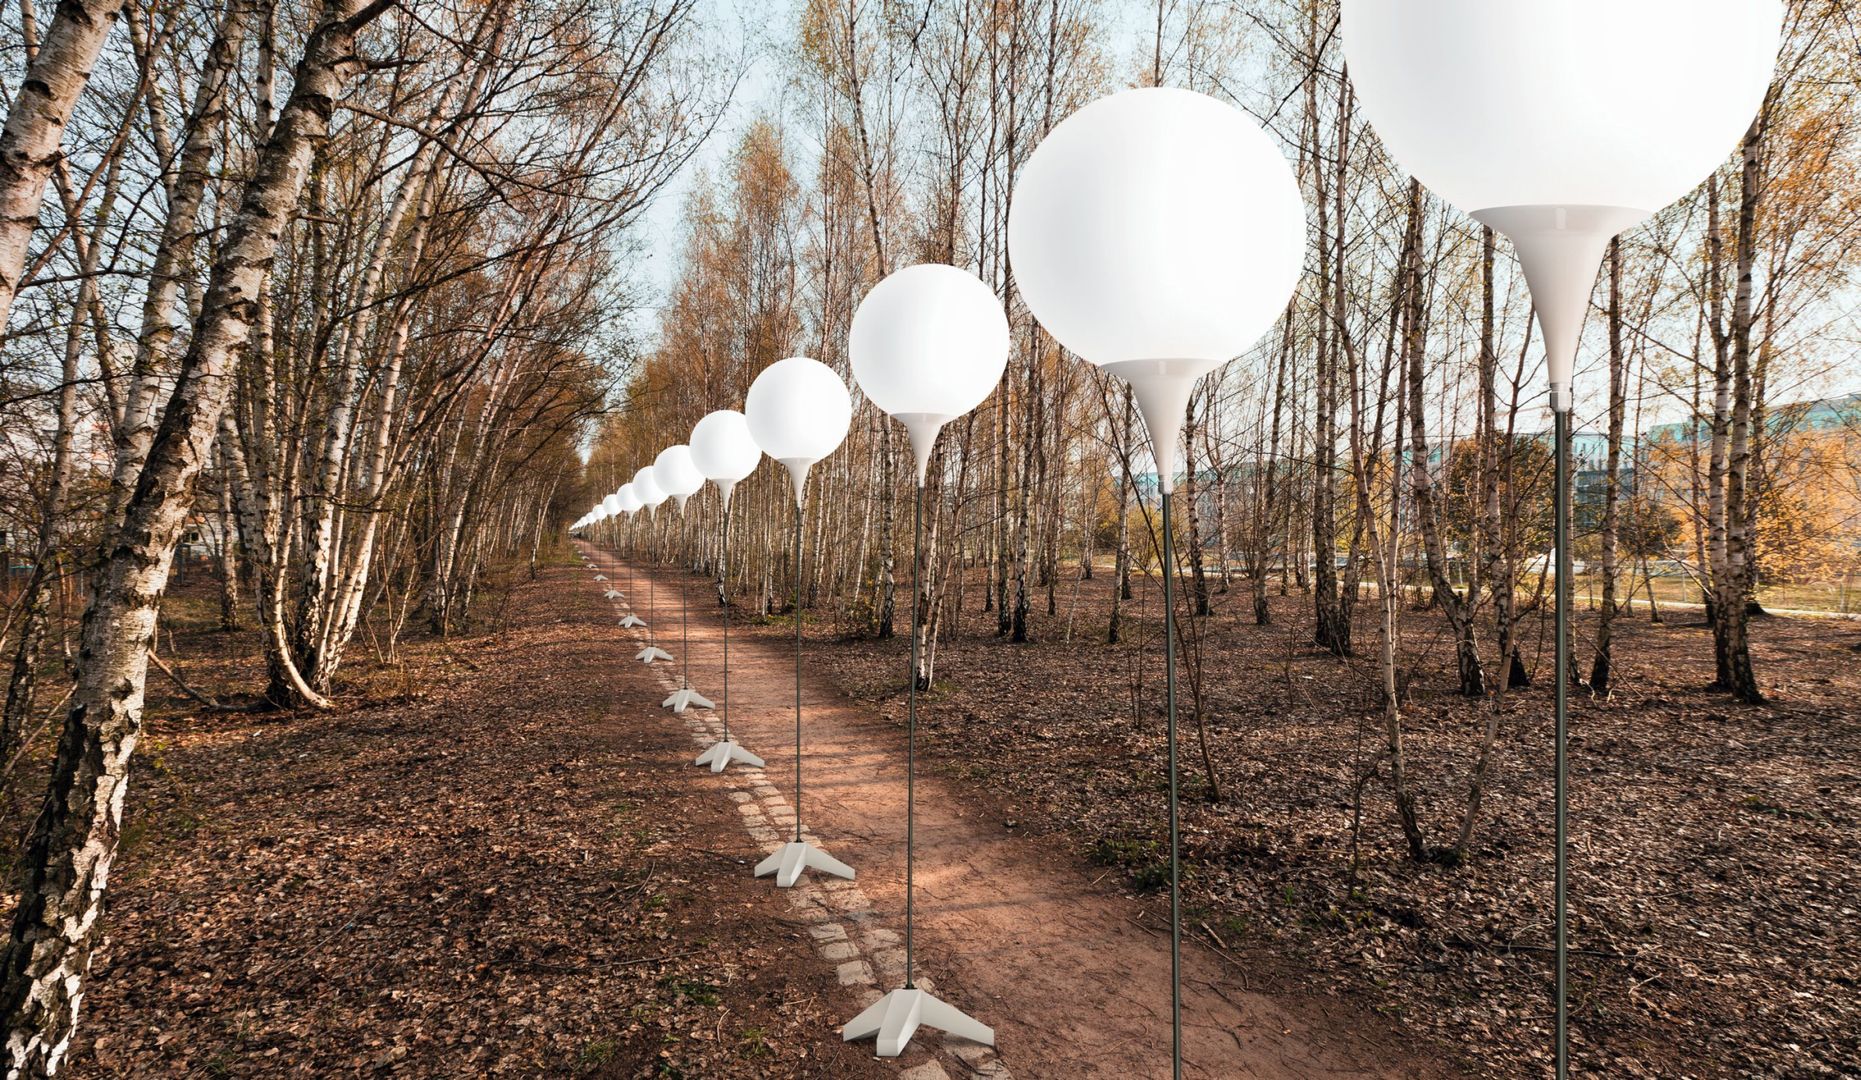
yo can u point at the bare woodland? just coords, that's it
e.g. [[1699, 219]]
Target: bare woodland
[[330, 303]]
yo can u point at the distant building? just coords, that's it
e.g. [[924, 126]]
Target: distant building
[[1589, 459]]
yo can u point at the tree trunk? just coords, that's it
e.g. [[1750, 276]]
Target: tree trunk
[[31, 142], [1612, 472], [1731, 614], [1331, 618], [1121, 561], [1728, 539], [1459, 610], [228, 554], [1198, 576], [67, 859]]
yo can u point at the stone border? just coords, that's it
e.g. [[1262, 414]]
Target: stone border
[[838, 916]]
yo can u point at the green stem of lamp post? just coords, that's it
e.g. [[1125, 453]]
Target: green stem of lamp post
[[1560, 508], [1169, 705]]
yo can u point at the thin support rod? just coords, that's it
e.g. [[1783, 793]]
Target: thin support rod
[[798, 526], [1169, 705], [684, 619], [1560, 508], [911, 733], [723, 592]]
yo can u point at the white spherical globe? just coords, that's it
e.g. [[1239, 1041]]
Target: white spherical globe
[[798, 411], [722, 447], [674, 473], [930, 340], [629, 499], [649, 493], [610, 505], [1157, 224], [1621, 103]]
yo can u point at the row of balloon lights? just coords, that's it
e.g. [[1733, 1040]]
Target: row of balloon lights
[[1158, 233]]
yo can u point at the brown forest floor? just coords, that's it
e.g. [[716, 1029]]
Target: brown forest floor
[[495, 858], [1024, 934], [486, 863], [1715, 848]]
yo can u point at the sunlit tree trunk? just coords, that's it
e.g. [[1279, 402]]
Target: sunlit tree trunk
[[31, 141], [67, 859]]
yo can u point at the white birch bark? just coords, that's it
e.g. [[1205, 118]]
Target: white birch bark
[[67, 860]]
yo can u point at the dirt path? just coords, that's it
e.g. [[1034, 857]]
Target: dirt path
[[1019, 935], [490, 862]]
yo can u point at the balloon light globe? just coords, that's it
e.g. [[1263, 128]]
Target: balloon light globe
[[647, 490], [724, 450], [674, 473], [798, 411], [629, 499], [1589, 116], [929, 343], [1157, 233], [1560, 125]]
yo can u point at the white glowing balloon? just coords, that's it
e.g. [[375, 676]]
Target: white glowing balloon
[[1624, 103], [675, 474], [1561, 124], [798, 411], [629, 499], [723, 449], [649, 493], [1157, 233], [928, 343]]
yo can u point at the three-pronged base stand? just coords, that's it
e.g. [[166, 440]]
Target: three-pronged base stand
[[652, 653], [632, 620], [614, 594], [796, 856], [600, 577], [687, 698], [897, 1016], [724, 752]]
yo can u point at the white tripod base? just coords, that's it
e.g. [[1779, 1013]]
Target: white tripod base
[[723, 753], [687, 699], [795, 856], [896, 1017], [632, 620], [600, 577], [652, 653], [615, 594]]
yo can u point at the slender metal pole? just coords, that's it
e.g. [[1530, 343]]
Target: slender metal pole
[[1560, 508], [798, 524], [1169, 705], [911, 730], [684, 619], [723, 577]]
